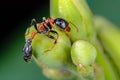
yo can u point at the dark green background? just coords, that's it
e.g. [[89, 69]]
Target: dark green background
[[16, 17]]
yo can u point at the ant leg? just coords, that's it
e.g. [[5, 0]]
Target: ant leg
[[54, 32], [52, 46], [74, 26], [33, 22], [52, 37], [46, 27]]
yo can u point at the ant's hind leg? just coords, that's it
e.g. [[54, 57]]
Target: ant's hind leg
[[34, 23]]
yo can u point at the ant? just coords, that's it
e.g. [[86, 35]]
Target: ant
[[45, 27]]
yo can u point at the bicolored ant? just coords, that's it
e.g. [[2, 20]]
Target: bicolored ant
[[44, 28]]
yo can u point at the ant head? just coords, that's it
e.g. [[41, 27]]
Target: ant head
[[61, 23]]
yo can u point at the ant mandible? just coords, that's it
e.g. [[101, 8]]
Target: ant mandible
[[44, 28]]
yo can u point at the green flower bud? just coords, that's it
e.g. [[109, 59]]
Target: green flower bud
[[84, 53], [56, 57]]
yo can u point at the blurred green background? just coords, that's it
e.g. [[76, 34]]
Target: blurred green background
[[15, 22]]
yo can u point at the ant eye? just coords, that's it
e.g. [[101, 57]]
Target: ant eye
[[61, 23]]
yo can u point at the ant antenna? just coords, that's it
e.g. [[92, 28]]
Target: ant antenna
[[74, 26]]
